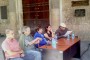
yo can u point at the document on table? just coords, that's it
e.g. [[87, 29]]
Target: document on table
[[67, 33]]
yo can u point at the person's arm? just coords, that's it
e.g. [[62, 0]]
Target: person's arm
[[52, 33], [46, 36], [37, 42], [33, 41], [7, 49], [30, 43], [58, 34], [14, 52]]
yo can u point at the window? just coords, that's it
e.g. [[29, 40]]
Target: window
[[3, 12]]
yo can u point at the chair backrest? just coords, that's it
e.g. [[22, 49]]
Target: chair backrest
[[21, 41], [3, 54]]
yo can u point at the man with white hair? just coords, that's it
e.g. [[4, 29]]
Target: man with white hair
[[61, 31]]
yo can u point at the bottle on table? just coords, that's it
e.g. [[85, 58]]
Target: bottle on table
[[55, 36], [73, 36], [68, 37], [53, 42]]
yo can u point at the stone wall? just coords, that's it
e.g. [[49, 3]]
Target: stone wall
[[80, 25], [4, 23], [15, 16], [10, 22], [60, 11]]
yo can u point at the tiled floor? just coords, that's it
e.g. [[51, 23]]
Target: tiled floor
[[84, 46]]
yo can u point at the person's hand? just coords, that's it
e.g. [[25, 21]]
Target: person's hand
[[38, 39], [48, 43], [21, 51], [71, 33], [22, 55], [51, 30], [50, 38]]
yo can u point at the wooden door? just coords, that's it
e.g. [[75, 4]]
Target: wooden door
[[35, 12]]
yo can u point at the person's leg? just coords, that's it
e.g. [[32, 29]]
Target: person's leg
[[16, 59], [29, 56], [35, 54]]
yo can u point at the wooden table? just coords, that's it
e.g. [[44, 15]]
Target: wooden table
[[66, 49]]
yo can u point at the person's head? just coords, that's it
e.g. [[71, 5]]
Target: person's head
[[26, 30], [62, 26], [9, 33], [48, 28], [39, 29]]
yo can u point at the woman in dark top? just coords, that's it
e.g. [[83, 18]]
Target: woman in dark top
[[48, 33]]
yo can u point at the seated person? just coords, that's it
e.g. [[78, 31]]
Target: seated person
[[48, 33], [11, 47], [27, 43], [61, 31], [39, 34]]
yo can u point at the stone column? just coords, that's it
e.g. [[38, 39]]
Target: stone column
[[15, 14], [54, 13], [19, 13], [12, 14], [61, 11]]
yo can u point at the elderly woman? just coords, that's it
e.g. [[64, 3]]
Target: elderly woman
[[27, 43]]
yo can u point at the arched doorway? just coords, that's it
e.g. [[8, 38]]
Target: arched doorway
[[35, 12]]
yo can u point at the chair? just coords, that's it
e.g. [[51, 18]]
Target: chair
[[3, 53]]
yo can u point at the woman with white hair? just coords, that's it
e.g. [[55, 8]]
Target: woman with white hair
[[27, 44]]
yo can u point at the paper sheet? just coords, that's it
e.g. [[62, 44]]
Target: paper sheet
[[67, 33]]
